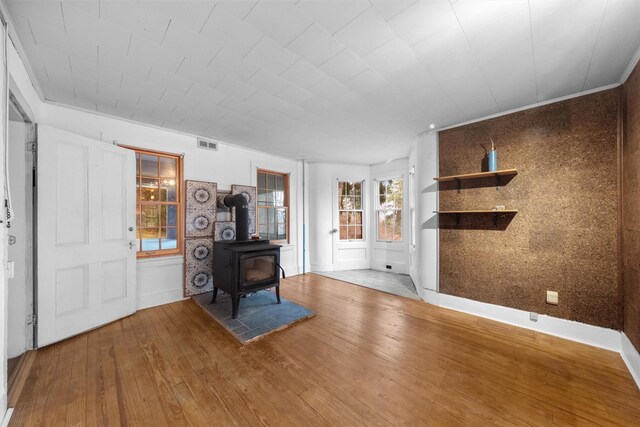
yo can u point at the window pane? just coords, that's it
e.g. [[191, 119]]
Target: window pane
[[150, 241], [168, 168], [263, 214], [352, 233], [343, 232], [270, 198], [381, 226], [262, 197], [262, 180], [149, 165], [358, 232], [150, 244], [169, 238], [150, 216], [382, 200], [281, 215], [271, 181], [279, 182], [355, 218], [341, 189], [344, 218], [149, 191], [169, 215], [357, 188], [282, 233], [357, 202], [397, 235], [168, 191]]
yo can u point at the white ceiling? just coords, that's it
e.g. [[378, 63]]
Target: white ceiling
[[323, 80]]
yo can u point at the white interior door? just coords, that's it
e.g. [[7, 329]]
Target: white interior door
[[86, 226], [350, 246]]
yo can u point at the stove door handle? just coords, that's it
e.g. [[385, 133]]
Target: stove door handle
[[284, 276]]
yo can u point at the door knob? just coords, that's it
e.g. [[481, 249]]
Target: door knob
[[335, 230]]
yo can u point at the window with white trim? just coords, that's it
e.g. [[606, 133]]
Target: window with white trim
[[389, 210], [350, 210]]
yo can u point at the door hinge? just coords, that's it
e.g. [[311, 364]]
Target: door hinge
[[32, 146], [31, 319]]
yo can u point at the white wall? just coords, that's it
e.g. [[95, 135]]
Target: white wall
[[394, 254], [321, 183], [425, 158]]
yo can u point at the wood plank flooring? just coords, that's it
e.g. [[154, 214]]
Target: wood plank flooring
[[367, 358]]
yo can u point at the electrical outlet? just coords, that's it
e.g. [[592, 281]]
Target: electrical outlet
[[388, 267], [533, 316], [552, 297]]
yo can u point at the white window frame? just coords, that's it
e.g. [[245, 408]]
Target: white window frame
[[363, 225], [379, 209]]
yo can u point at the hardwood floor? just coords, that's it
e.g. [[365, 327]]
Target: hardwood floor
[[367, 358]]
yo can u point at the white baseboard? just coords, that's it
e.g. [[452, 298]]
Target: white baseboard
[[321, 267], [596, 336], [159, 298], [631, 357], [430, 296], [6, 418]]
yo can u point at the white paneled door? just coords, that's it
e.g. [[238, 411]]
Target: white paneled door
[[350, 246], [86, 234]]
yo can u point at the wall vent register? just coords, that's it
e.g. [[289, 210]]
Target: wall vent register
[[207, 145]]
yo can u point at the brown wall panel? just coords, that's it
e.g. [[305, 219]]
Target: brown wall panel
[[565, 236], [631, 206]]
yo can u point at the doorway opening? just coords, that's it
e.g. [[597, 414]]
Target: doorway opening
[[21, 260]]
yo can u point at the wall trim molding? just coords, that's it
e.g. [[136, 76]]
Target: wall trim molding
[[630, 67], [320, 267], [7, 417], [596, 336], [631, 358], [530, 106]]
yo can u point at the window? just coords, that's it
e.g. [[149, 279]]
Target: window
[[273, 206], [158, 205], [389, 210], [350, 210]]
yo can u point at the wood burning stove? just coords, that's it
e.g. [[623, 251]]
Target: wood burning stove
[[242, 266]]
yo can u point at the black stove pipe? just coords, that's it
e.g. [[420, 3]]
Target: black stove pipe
[[241, 205]]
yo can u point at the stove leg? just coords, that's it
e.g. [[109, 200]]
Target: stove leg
[[215, 294], [235, 304], [278, 294]]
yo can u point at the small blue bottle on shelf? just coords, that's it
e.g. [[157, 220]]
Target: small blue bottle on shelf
[[493, 158]]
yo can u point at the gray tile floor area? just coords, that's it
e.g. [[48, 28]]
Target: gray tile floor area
[[397, 284], [258, 315]]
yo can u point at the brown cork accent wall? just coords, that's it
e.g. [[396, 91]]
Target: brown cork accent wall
[[631, 206], [565, 235]]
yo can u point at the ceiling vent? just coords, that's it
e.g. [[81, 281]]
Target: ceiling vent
[[208, 145]]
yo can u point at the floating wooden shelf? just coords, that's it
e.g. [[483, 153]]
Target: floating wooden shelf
[[496, 213], [504, 172], [486, 211]]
